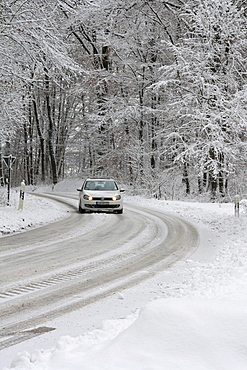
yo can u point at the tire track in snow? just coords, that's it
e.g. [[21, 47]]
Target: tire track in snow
[[153, 241]]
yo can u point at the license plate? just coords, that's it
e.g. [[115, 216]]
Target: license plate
[[102, 203]]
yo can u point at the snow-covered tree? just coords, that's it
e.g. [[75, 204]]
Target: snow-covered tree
[[120, 42], [163, 88], [35, 60], [206, 86]]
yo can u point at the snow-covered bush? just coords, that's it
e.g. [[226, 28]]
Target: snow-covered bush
[[3, 197], [243, 206]]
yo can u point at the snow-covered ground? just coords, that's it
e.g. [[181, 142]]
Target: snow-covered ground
[[192, 316], [36, 212]]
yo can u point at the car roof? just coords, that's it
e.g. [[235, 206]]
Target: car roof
[[99, 179]]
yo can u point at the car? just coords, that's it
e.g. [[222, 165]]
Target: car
[[98, 195]]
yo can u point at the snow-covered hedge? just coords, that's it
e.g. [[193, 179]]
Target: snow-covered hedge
[[243, 206]]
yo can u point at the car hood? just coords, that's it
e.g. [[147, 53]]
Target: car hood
[[100, 194]]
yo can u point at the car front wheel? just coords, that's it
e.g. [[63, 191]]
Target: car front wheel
[[81, 210]]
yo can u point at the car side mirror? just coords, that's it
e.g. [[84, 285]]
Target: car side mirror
[[79, 189], [122, 190]]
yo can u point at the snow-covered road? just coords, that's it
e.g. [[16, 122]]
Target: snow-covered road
[[60, 267], [189, 316]]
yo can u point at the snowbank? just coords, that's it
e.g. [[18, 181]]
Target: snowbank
[[171, 333], [34, 213]]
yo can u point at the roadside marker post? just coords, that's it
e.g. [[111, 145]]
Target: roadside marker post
[[236, 207], [22, 194]]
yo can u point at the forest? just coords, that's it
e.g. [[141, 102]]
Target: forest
[[150, 92]]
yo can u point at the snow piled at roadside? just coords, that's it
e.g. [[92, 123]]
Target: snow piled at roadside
[[34, 213], [196, 319], [172, 334]]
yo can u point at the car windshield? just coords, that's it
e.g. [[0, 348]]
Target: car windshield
[[100, 185]]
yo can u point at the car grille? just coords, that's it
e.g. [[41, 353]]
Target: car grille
[[102, 205], [102, 198]]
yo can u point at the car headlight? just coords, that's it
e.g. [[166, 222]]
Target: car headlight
[[87, 197], [116, 197]]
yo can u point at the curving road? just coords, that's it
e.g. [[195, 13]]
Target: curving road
[[58, 268]]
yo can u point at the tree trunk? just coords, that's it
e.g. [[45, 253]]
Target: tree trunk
[[42, 142], [186, 179], [50, 133]]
